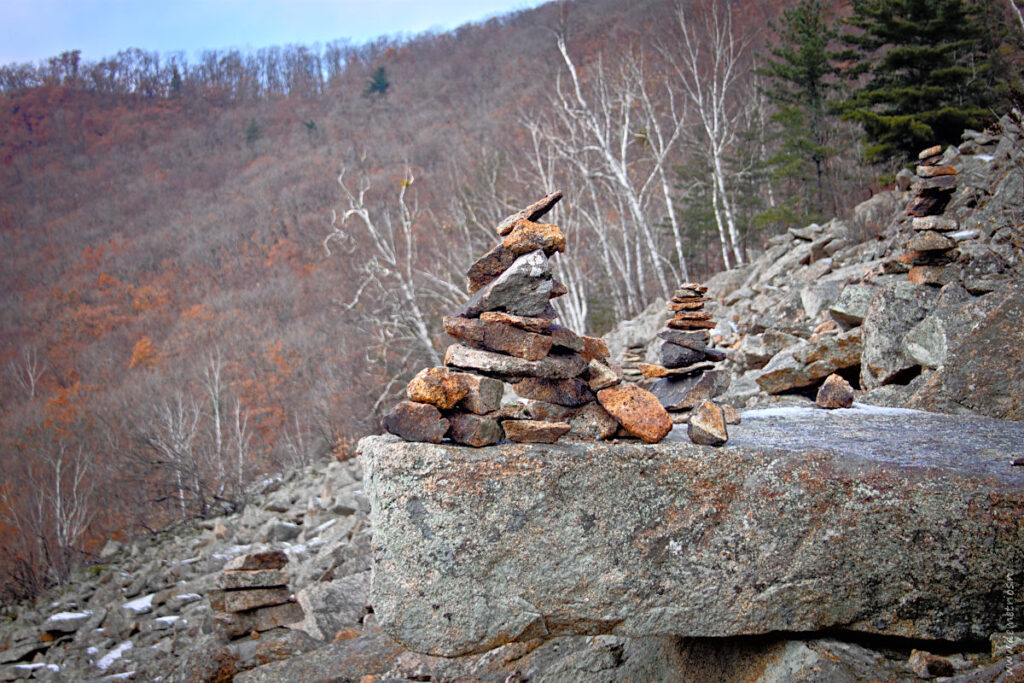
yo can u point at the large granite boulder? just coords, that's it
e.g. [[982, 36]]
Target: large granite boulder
[[985, 372], [881, 521]]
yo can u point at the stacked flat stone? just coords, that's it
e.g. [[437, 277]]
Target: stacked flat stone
[[506, 334], [931, 249], [252, 595], [632, 358]]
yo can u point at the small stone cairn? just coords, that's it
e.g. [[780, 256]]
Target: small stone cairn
[[931, 248], [506, 334], [252, 595], [688, 377]]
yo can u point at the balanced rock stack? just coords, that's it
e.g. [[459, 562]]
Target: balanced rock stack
[[506, 334], [252, 595], [929, 250], [688, 376]]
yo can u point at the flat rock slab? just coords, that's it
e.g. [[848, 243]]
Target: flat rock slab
[[875, 520]]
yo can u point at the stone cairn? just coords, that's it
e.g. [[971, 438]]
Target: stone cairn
[[506, 334], [688, 377], [252, 595], [930, 250]]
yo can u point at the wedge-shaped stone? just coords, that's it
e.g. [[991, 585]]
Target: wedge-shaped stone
[[538, 325], [242, 600], [571, 392], [270, 559], [522, 289], [437, 386], [527, 236], [474, 430], [707, 425], [553, 366], [499, 336], [489, 266], [651, 371], [531, 213], [595, 348], [266, 578], [601, 376], [416, 422], [567, 339], [534, 431], [637, 410], [799, 523], [852, 305]]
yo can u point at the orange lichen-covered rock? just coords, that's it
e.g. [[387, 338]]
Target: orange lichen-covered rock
[[637, 410], [528, 236], [437, 386]]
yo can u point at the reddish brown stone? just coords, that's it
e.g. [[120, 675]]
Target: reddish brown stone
[[690, 289], [534, 431], [693, 305], [929, 204], [594, 348], [474, 430], [499, 336], [651, 371], [527, 236], [707, 425], [242, 600], [416, 422], [678, 324], [538, 325], [927, 152], [571, 392], [929, 275], [943, 184], [271, 559], [437, 386], [692, 315], [928, 171], [637, 410], [489, 266], [483, 395], [557, 289], [836, 392]]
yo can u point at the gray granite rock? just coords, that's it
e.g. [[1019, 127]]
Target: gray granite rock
[[892, 313], [522, 289], [882, 521]]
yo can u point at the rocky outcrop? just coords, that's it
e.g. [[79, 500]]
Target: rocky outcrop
[[889, 522]]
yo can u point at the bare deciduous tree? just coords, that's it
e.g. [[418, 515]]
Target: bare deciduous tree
[[27, 370]]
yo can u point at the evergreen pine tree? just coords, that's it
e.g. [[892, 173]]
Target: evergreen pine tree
[[798, 72], [924, 70], [378, 83]]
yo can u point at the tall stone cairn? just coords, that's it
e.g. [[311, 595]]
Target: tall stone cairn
[[688, 375], [506, 335], [931, 249]]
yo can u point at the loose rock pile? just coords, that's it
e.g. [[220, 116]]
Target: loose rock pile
[[506, 334], [252, 595]]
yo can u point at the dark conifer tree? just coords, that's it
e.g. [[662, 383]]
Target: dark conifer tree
[[923, 73], [799, 71]]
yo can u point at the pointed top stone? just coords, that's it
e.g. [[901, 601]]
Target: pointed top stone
[[531, 213]]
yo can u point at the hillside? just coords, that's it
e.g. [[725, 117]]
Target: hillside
[[223, 268], [172, 325], [817, 491]]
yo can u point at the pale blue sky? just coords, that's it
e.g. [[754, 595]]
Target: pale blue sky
[[31, 30]]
